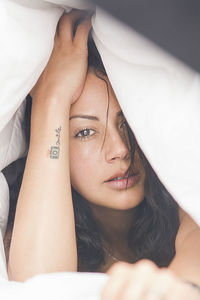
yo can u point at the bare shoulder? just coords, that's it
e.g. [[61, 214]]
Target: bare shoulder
[[188, 228]]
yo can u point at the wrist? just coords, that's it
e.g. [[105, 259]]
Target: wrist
[[50, 105], [48, 114]]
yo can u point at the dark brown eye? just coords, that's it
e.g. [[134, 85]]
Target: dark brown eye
[[85, 133], [123, 124]]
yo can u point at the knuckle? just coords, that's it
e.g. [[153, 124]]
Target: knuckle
[[147, 265], [118, 267]]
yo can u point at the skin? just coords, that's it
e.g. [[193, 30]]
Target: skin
[[85, 153], [44, 216], [102, 163]]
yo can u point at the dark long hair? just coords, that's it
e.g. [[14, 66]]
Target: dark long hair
[[155, 223]]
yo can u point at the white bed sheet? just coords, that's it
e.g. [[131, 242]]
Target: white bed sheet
[[55, 286]]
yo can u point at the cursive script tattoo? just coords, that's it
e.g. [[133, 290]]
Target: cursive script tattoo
[[58, 136], [54, 152]]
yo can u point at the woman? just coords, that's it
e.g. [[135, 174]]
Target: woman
[[120, 210]]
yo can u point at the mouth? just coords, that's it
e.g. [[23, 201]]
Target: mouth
[[123, 181]]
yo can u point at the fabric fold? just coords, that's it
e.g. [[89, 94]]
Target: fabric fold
[[159, 96]]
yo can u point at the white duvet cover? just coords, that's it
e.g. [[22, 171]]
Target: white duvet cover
[[158, 94]]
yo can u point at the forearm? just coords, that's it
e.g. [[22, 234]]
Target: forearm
[[44, 232]]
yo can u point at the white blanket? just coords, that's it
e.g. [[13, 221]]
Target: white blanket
[[160, 99], [158, 94], [56, 286]]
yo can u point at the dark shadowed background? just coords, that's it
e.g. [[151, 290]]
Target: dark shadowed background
[[172, 24]]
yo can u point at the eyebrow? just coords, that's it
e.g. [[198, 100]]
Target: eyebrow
[[84, 117], [94, 118]]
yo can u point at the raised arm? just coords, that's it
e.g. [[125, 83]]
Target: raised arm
[[43, 238]]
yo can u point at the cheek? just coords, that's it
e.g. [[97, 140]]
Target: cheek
[[83, 167]]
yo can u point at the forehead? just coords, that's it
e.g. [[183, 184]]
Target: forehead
[[94, 98]]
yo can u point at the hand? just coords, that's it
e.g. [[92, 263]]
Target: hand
[[64, 76], [145, 281]]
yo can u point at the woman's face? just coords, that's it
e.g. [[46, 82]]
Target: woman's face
[[99, 173]]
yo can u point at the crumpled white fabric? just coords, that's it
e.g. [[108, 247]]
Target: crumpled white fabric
[[158, 94], [160, 99], [56, 286], [25, 48]]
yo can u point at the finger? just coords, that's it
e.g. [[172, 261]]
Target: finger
[[116, 289], [82, 32], [142, 273], [160, 286], [134, 290], [119, 275], [118, 267], [66, 24], [128, 281]]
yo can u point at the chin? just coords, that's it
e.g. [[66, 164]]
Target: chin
[[127, 206], [124, 203], [128, 199]]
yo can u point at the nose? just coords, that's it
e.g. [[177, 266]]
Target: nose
[[116, 146]]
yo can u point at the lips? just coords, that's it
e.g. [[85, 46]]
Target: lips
[[121, 175], [123, 181], [119, 178]]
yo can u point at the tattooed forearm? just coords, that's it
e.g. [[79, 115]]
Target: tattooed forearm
[[54, 151]]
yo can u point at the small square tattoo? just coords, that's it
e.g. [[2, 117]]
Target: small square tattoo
[[54, 153]]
